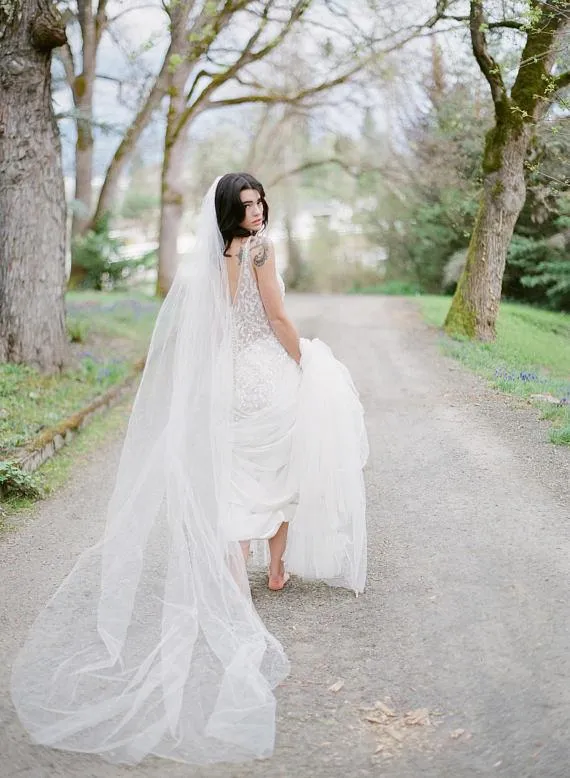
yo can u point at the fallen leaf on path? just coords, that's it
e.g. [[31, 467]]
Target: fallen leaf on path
[[385, 709], [375, 720], [419, 717], [336, 687], [396, 735], [379, 749], [457, 733]]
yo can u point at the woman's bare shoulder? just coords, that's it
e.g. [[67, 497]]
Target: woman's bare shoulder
[[261, 249]]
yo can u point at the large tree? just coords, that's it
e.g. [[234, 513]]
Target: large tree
[[32, 200], [542, 27], [91, 23]]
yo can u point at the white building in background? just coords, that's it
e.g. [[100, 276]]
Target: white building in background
[[339, 219], [337, 216]]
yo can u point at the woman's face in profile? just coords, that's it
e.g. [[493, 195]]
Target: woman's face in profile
[[253, 204]]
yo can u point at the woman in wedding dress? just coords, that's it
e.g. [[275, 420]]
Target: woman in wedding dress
[[240, 432], [266, 351]]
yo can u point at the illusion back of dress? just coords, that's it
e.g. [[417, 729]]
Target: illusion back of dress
[[250, 322], [259, 357], [266, 384]]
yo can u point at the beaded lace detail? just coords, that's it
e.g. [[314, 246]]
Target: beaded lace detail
[[250, 321], [258, 354]]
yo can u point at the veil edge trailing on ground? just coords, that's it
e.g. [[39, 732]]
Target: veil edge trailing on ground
[[152, 644]]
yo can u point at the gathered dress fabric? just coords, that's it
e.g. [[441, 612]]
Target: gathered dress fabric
[[152, 646], [266, 384]]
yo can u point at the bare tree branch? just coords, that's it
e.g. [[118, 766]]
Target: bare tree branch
[[100, 20], [276, 97], [352, 170], [511, 24], [65, 55], [489, 67], [132, 9], [246, 57]]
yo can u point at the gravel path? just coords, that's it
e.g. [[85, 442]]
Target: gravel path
[[465, 625]]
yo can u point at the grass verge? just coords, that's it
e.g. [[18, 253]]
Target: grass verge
[[530, 357], [109, 332], [56, 471], [398, 288]]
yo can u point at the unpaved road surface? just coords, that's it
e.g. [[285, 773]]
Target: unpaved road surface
[[466, 619]]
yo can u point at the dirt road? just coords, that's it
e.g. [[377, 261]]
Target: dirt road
[[465, 624]]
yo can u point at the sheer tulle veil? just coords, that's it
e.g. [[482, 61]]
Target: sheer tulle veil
[[152, 645]]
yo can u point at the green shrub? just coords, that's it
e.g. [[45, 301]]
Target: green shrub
[[77, 329], [100, 255], [137, 204], [14, 482]]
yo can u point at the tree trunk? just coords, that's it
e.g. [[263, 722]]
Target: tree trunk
[[294, 271], [171, 212], [172, 194], [177, 50], [124, 151], [83, 172], [81, 217], [83, 87], [32, 198], [83, 91], [475, 305]]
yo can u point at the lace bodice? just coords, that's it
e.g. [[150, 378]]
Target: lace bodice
[[260, 361], [249, 319]]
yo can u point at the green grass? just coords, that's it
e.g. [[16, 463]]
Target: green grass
[[56, 471], [531, 356], [111, 332], [398, 288]]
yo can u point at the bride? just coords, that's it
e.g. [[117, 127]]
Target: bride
[[243, 438]]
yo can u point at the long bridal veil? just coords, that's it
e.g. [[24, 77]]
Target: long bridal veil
[[152, 645]]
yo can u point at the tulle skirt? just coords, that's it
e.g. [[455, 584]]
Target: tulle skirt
[[152, 644], [299, 449], [264, 490]]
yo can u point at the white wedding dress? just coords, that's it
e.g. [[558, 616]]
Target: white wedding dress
[[264, 491], [299, 445], [152, 644]]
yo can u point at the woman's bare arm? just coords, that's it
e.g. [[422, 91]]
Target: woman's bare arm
[[263, 258]]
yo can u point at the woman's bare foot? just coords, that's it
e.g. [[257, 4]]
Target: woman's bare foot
[[277, 582]]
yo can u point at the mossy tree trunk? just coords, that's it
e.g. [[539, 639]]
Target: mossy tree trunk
[[82, 85], [475, 305], [32, 198], [92, 25], [172, 184]]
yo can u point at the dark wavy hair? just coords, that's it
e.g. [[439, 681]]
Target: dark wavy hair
[[230, 211]]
